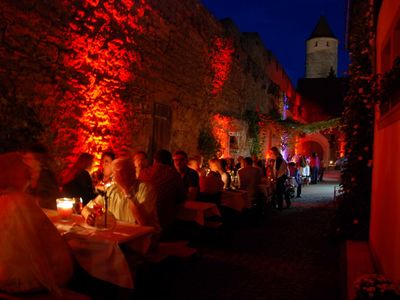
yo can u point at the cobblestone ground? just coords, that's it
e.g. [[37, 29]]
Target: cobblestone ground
[[287, 256]]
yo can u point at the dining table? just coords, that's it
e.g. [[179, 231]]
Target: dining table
[[99, 250], [197, 211], [235, 199]]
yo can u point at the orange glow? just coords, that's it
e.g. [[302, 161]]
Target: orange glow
[[221, 63], [102, 60], [221, 126]]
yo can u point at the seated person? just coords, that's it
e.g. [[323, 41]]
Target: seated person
[[169, 190], [141, 163], [40, 164], [33, 254], [211, 185], [104, 174], [129, 199], [189, 176], [77, 181]]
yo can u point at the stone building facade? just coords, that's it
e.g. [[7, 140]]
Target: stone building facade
[[132, 75], [321, 52]]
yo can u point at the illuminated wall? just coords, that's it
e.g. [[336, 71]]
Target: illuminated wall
[[94, 70], [385, 202], [221, 63], [102, 58]]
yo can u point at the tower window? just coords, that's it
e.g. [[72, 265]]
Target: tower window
[[316, 44], [327, 43]]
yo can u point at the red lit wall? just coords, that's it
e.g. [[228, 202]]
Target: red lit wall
[[385, 206], [221, 63], [94, 71]]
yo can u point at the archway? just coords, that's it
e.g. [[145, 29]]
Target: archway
[[315, 142]]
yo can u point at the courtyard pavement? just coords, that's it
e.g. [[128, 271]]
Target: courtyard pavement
[[286, 256]]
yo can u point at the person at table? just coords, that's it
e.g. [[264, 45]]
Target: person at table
[[211, 185], [77, 182], [46, 188], [281, 172], [169, 190], [33, 255], [249, 179], [129, 199], [104, 173], [189, 176], [141, 163], [223, 171], [195, 164]]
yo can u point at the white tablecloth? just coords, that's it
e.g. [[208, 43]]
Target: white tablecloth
[[197, 211], [236, 200], [99, 252]]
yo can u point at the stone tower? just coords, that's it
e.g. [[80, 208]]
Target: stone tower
[[322, 51]]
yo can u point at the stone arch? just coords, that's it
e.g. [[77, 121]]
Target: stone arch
[[316, 142]]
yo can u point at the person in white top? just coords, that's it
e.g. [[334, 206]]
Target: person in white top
[[249, 179]]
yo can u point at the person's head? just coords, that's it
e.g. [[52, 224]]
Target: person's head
[[106, 159], [275, 153], [292, 164], [193, 163], [180, 159], [85, 161], [124, 172], [163, 157], [140, 160], [215, 165], [15, 174], [248, 161]]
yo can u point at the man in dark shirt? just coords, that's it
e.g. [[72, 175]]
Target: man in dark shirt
[[169, 188], [189, 177]]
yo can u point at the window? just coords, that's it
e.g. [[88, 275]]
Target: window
[[316, 44], [327, 44]]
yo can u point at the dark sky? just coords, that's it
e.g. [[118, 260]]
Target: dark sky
[[285, 25]]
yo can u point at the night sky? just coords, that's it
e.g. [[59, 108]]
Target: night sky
[[285, 25]]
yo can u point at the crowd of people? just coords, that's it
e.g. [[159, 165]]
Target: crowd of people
[[135, 190]]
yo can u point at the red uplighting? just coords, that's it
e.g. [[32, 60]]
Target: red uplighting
[[221, 63], [221, 126], [102, 59]]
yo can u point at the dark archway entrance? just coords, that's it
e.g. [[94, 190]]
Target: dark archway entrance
[[311, 146]]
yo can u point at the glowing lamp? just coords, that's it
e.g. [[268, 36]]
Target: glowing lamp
[[65, 208]]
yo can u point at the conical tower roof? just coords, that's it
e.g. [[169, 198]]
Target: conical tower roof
[[322, 29]]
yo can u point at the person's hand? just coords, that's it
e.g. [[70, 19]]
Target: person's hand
[[91, 219], [100, 187]]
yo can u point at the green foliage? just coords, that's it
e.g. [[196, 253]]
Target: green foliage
[[253, 121], [207, 144], [352, 220]]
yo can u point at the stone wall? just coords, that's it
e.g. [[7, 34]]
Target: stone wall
[[94, 71], [321, 57]]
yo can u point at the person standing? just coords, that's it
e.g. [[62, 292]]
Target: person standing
[[295, 174], [280, 171], [314, 167]]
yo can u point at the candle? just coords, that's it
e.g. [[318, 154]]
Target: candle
[[65, 208]]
